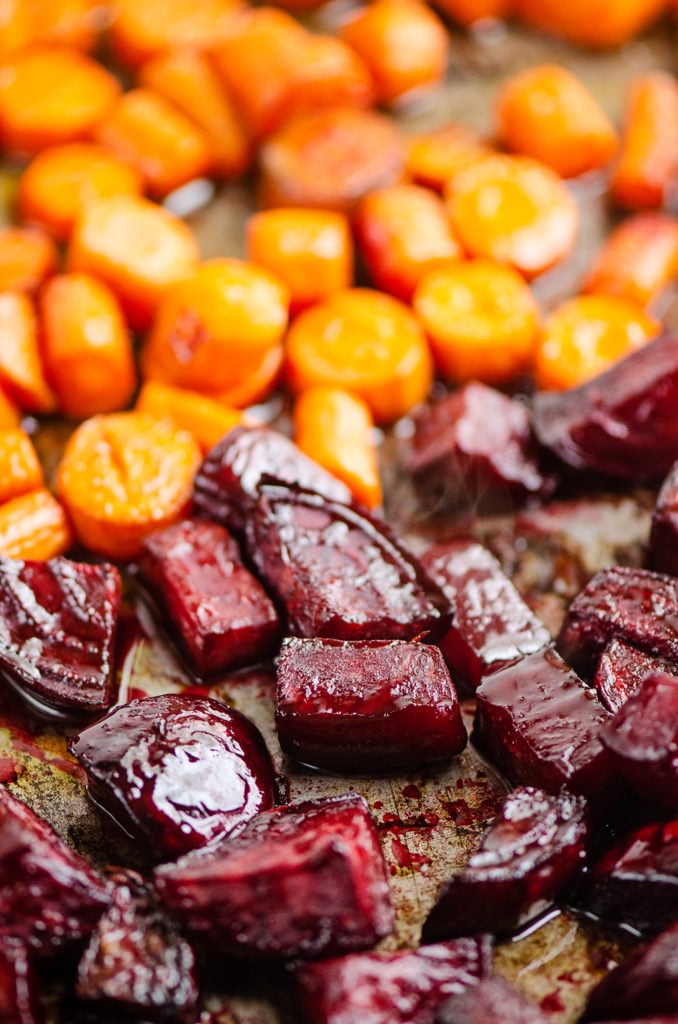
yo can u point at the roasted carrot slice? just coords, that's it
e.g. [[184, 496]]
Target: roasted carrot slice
[[34, 526], [142, 30], [648, 160], [466, 12], [435, 157], [27, 258], [10, 415], [16, 27], [259, 382], [137, 248], [20, 469], [595, 23], [123, 476], [206, 419], [514, 210], [21, 371], [60, 180], [74, 23], [366, 343], [637, 260]]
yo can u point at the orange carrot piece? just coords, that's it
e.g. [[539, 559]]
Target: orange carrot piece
[[52, 95], [20, 469], [637, 260], [596, 23], [27, 258], [206, 419], [73, 23], [481, 320], [142, 30], [403, 231], [435, 157], [514, 210], [60, 180], [310, 251], [466, 12], [586, 335], [10, 415], [34, 526], [335, 428], [167, 148], [404, 44], [648, 160], [549, 114], [21, 371], [364, 342], [16, 27], [259, 382], [137, 248], [124, 475], [187, 80]]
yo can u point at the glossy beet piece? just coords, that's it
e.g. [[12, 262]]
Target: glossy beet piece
[[368, 704], [492, 624], [222, 613], [539, 724], [620, 671], [528, 857], [137, 963], [339, 573], [50, 897], [663, 549], [493, 1001], [633, 605], [226, 487], [58, 621], [307, 880], [623, 422], [475, 448], [178, 770], [391, 988], [19, 998]]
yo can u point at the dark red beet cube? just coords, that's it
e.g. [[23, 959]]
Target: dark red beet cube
[[492, 624], [178, 770], [620, 671], [475, 448], [493, 1001], [539, 724], [19, 997], [663, 550], [307, 880], [339, 573], [406, 987], [226, 487], [633, 605], [58, 621], [196, 577], [528, 857], [366, 704], [136, 962], [50, 897]]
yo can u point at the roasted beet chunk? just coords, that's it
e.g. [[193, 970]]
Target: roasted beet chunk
[[493, 1001], [136, 962], [49, 895], [57, 629], [622, 423], [391, 988], [227, 484], [367, 704], [306, 880], [539, 723], [474, 448], [177, 771], [663, 553], [337, 572], [620, 671], [634, 605], [527, 858], [19, 1000], [492, 624], [196, 577]]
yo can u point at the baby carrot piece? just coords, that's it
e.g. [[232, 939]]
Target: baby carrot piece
[[637, 260], [366, 343], [21, 371], [214, 328], [335, 428], [466, 12], [481, 320], [20, 469], [27, 258], [60, 180], [142, 30], [404, 44], [86, 346], [435, 157], [51, 95], [514, 210], [648, 160], [123, 476], [146, 131], [586, 335], [137, 248], [310, 251], [549, 114], [596, 23], [34, 526], [403, 231], [330, 160], [187, 80], [206, 419]]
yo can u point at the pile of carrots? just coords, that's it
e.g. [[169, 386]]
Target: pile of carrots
[[105, 302]]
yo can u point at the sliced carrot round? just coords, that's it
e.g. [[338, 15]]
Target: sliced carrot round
[[34, 526], [20, 469], [595, 23], [21, 370], [206, 419], [435, 157], [28, 257], [141, 30]]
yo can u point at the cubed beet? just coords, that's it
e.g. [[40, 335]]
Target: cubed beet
[[307, 880], [366, 704], [620, 671], [19, 996], [177, 771], [663, 549], [528, 857], [493, 1001]]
